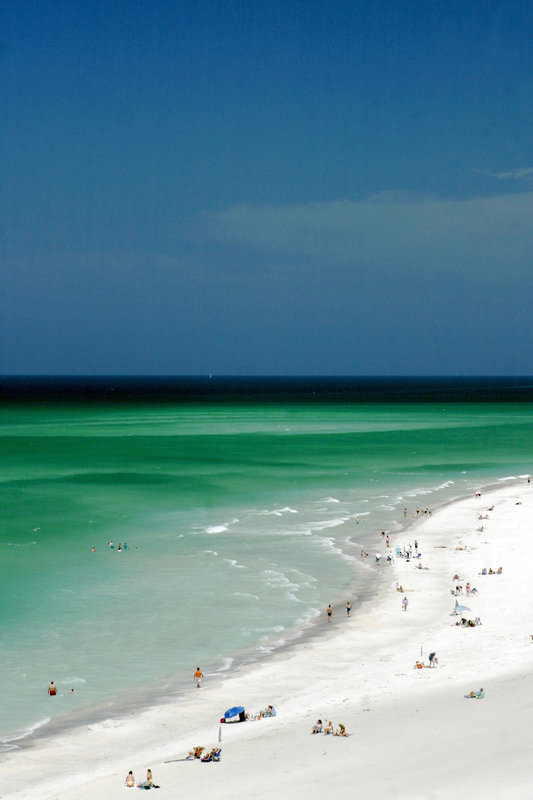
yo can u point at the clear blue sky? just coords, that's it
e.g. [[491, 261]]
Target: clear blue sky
[[266, 187]]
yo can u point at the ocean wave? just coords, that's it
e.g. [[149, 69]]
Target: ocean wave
[[309, 618], [246, 594], [269, 630], [18, 544], [235, 563], [328, 523], [226, 664], [417, 492], [276, 579], [292, 596], [271, 648], [329, 500], [278, 512], [331, 545], [223, 528], [209, 552], [7, 742]]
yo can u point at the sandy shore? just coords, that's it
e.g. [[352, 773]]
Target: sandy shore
[[412, 732]]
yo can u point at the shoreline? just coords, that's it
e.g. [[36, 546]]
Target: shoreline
[[352, 667], [177, 688]]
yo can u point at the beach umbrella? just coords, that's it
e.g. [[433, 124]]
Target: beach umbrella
[[459, 609], [233, 712]]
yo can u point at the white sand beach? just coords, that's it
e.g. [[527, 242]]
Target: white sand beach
[[412, 733]]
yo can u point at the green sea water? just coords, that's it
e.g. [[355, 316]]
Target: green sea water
[[242, 522]]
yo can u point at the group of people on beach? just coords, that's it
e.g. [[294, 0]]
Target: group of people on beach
[[433, 661], [329, 610], [210, 755], [147, 784], [329, 730]]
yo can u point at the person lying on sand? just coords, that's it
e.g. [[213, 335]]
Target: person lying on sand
[[479, 694]]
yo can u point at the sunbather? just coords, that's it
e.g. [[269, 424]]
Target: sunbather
[[317, 727], [479, 694], [213, 755], [329, 727], [196, 752], [130, 780], [341, 731], [149, 782]]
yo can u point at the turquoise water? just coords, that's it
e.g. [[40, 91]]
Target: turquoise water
[[242, 522]]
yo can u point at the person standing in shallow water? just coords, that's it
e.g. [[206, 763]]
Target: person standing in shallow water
[[330, 612], [348, 608]]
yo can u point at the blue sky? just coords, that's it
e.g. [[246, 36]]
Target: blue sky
[[266, 187]]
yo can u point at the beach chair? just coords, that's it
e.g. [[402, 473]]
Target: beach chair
[[214, 755]]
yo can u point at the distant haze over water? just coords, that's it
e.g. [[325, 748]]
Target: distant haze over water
[[267, 388]]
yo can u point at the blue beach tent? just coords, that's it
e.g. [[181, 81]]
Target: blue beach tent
[[234, 712]]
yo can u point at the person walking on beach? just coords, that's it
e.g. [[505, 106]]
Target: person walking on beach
[[405, 603], [348, 608], [330, 612], [198, 675]]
